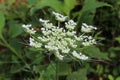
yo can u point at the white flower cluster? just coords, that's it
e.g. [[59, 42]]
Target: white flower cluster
[[28, 29], [59, 17], [87, 28], [61, 41]]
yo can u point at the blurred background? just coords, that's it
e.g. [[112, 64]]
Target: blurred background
[[18, 61]]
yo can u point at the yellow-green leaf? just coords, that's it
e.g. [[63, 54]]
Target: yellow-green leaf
[[2, 23]]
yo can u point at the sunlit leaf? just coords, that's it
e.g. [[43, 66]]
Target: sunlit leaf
[[68, 6], [2, 23]]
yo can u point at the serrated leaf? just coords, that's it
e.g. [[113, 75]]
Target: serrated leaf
[[49, 73], [2, 23]]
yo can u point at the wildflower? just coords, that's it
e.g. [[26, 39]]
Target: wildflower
[[70, 25], [87, 28], [43, 21], [34, 43], [61, 41], [79, 55], [59, 17], [28, 29], [88, 40], [59, 56], [66, 50], [46, 23]]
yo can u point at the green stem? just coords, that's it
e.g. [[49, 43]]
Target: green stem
[[57, 70], [58, 24]]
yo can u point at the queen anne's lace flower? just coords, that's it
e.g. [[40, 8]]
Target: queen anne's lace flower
[[28, 29], [34, 43], [70, 25], [59, 17], [87, 28], [79, 55], [61, 41]]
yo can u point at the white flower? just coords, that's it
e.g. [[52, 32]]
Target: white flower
[[66, 50], [70, 25], [31, 40], [28, 29], [43, 21], [55, 48], [87, 28], [79, 55], [26, 26], [59, 17], [58, 55], [33, 43], [88, 40], [61, 40], [78, 38], [43, 29], [46, 23]]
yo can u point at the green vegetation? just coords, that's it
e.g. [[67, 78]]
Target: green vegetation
[[19, 61]]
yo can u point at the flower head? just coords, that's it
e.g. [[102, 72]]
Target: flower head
[[61, 40]]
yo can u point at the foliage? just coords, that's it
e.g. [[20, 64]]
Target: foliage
[[19, 61]]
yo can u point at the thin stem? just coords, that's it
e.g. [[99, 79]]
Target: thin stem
[[58, 24], [44, 12], [57, 70]]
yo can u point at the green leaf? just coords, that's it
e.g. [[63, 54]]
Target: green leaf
[[118, 78], [16, 44], [54, 4], [31, 2], [3, 7], [78, 75], [10, 2], [110, 77], [2, 23], [49, 73], [15, 29], [93, 51], [91, 5], [118, 39], [99, 69], [63, 69], [68, 6], [88, 11]]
